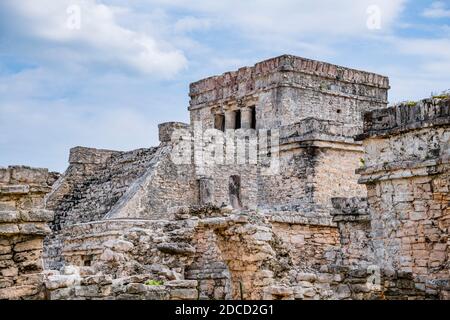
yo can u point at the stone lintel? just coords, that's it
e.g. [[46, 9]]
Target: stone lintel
[[224, 101]]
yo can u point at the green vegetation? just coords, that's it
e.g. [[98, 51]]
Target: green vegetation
[[362, 162], [442, 96], [411, 103], [154, 283]]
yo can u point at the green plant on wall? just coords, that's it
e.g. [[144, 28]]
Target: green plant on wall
[[154, 283], [441, 96], [362, 162]]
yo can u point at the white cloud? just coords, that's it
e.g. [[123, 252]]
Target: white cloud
[[291, 17], [47, 132], [419, 66], [99, 38], [434, 52], [189, 23], [437, 9], [423, 46]]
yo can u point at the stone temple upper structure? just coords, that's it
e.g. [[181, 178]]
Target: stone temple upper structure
[[293, 180], [316, 108]]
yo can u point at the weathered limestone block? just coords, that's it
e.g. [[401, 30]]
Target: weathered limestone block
[[61, 281], [176, 248], [119, 245], [22, 230], [83, 155], [167, 129]]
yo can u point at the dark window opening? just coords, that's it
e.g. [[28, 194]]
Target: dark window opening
[[87, 260], [269, 143], [219, 122], [253, 123], [235, 191], [237, 122]]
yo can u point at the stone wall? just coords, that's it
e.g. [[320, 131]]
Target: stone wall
[[239, 263], [310, 246], [74, 284], [23, 226], [164, 184], [407, 176], [90, 187], [93, 183], [209, 267], [317, 162], [353, 220]]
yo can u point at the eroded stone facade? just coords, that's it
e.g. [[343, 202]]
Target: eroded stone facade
[[23, 226], [348, 199]]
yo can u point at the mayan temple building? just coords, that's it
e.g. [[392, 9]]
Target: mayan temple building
[[293, 180]]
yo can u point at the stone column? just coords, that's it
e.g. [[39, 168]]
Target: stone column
[[230, 119], [246, 118]]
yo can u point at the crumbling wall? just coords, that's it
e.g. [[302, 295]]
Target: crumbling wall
[[407, 177], [395, 245], [310, 246], [23, 226], [245, 243], [74, 284], [208, 267], [353, 220], [92, 184], [243, 259]]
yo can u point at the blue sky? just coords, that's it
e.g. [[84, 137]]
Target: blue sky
[[108, 81]]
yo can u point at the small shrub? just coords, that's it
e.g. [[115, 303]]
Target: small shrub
[[362, 162], [411, 103], [154, 283], [441, 96]]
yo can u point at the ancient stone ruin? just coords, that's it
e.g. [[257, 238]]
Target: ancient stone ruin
[[294, 180]]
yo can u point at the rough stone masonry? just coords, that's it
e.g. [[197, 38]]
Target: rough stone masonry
[[347, 199]]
